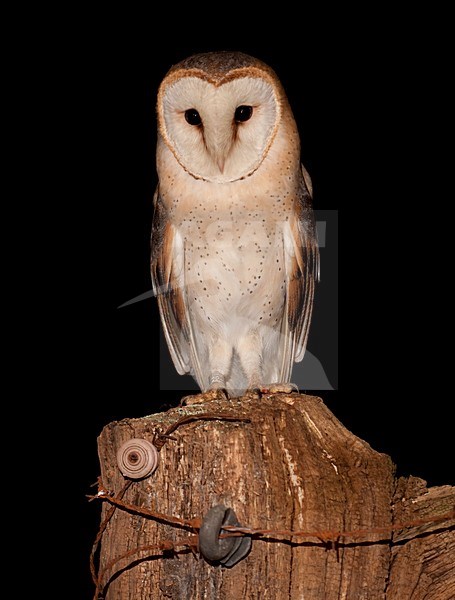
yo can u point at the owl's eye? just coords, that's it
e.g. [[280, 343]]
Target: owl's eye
[[193, 117], [243, 113]]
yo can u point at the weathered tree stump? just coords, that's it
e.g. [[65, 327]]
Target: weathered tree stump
[[292, 467]]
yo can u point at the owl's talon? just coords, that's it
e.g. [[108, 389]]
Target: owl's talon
[[221, 394], [279, 388], [253, 393], [208, 396]]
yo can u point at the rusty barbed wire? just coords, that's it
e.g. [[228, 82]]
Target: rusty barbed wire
[[160, 438], [164, 546], [110, 513], [330, 538], [116, 501], [329, 535]]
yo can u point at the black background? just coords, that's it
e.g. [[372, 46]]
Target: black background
[[371, 106]]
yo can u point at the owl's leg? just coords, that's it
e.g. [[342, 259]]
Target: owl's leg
[[220, 358], [249, 349], [217, 380], [220, 363]]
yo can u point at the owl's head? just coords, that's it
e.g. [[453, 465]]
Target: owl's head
[[219, 113]]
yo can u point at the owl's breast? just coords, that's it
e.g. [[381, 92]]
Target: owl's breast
[[233, 246], [234, 267]]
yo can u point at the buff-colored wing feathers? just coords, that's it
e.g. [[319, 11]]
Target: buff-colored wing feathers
[[169, 286], [302, 271]]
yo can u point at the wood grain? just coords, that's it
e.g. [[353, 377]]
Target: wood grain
[[294, 466]]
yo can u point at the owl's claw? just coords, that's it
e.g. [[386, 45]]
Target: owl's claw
[[208, 396], [256, 392], [253, 393], [279, 388]]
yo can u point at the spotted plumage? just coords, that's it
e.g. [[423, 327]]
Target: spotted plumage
[[234, 251]]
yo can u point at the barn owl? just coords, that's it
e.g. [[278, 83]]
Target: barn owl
[[234, 250]]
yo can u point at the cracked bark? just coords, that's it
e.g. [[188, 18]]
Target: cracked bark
[[294, 466]]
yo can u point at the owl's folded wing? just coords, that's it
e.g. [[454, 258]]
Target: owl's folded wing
[[167, 269], [302, 271]]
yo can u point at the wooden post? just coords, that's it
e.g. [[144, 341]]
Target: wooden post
[[293, 466]]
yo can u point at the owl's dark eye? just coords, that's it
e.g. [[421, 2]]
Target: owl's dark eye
[[243, 113], [193, 117]]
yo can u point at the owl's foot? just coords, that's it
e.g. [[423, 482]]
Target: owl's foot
[[257, 391], [208, 396], [253, 393], [278, 388]]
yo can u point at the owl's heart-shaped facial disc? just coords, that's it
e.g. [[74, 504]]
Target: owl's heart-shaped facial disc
[[219, 130]]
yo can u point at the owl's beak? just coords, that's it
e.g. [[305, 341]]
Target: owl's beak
[[220, 155], [219, 146], [221, 162]]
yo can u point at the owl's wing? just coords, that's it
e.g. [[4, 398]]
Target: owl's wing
[[167, 269], [302, 271]]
